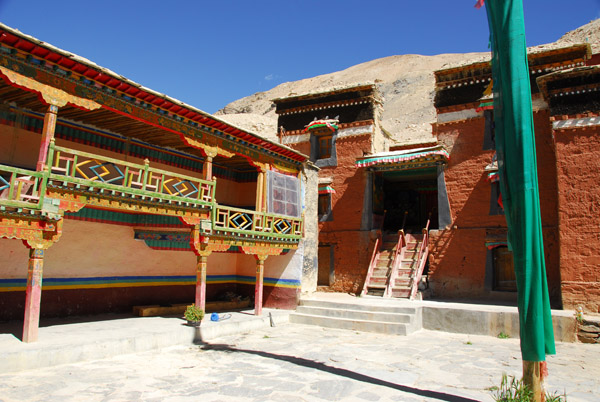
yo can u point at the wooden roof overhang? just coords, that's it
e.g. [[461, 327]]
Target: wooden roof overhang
[[129, 108], [572, 91], [410, 159], [319, 96], [466, 84]]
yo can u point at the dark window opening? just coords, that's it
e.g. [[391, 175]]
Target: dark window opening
[[489, 135], [325, 207], [496, 199]]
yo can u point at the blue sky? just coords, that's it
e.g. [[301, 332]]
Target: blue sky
[[209, 53]]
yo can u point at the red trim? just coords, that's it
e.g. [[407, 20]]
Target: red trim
[[48, 54]]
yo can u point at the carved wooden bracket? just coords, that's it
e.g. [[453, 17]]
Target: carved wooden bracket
[[261, 252], [210, 151], [50, 95], [36, 234]]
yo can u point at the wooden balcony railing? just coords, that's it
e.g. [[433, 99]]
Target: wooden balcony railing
[[120, 177], [246, 222], [76, 170], [21, 188]]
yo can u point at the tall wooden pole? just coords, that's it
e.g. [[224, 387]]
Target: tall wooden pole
[[33, 295], [258, 288], [47, 136], [201, 281]]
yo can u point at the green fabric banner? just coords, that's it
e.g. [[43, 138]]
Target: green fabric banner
[[515, 145]]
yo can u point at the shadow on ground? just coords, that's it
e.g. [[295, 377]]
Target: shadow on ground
[[336, 371]]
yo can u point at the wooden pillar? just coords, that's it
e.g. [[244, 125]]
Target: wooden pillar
[[47, 136], [207, 168], [201, 281], [258, 288], [260, 191], [33, 295], [533, 377]]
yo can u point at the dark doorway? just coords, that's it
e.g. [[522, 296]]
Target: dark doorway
[[325, 273], [410, 199]]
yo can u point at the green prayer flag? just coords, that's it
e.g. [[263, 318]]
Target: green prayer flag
[[515, 145]]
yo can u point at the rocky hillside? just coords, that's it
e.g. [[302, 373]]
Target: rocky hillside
[[406, 83]]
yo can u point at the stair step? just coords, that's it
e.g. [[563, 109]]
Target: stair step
[[401, 292], [376, 292], [361, 307], [377, 281], [380, 271], [382, 327], [356, 314]]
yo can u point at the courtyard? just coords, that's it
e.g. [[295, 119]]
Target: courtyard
[[292, 362]]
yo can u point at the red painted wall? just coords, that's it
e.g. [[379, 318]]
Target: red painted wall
[[578, 164], [457, 263]]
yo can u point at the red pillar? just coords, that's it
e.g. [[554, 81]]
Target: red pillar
[[33, 295], [258, 289], [47, 135], [207, 168], [201, 282]]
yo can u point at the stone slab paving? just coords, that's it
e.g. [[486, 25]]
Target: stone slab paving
[[294, 362]]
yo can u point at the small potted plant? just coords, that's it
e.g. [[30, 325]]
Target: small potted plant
[[194, 315]]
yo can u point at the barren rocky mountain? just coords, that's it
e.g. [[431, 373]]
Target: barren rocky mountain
[[406, 83]]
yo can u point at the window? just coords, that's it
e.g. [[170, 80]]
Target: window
[[324, 146], [324, 207], [283, 194], [504, 269], [489, 136]]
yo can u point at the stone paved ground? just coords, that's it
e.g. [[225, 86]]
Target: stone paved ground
[[304, 363]]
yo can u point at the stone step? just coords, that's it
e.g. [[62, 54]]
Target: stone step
[[356, 314], [361, 307], [382, 327]]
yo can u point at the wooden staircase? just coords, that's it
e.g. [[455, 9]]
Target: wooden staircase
[[402, 282], [397, 265]]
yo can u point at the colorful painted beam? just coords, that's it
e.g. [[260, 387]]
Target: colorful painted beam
[[19, 284]]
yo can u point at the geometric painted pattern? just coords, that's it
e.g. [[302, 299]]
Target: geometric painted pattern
[[3, 184], [182, 188], [240, 220], [107, 172], [282, 226]]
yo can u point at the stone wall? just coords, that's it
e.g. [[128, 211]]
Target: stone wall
[[578, 164], [588, 330]]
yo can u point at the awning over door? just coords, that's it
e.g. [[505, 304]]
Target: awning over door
[[405, 159]]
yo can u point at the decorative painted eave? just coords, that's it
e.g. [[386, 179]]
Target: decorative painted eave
[[541, 61], [331, 124], [67, 64], [589, 74], [326, 190], [431, 154], [329, 91]]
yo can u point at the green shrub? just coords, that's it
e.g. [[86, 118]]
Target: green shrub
[[513, 390], [193, 313]]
